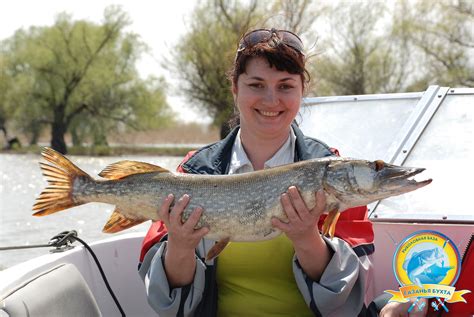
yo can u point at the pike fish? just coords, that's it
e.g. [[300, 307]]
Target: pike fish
[[236, 207]]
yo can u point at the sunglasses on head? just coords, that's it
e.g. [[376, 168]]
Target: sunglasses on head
[[264, 35]]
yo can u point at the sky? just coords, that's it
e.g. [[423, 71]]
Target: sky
[[159, 23]]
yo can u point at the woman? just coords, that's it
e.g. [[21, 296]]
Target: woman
[[299, 273]]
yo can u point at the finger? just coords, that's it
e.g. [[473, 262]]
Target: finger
[[283, 226], [288, 208], [193, 219], [201, 232], [320, 206], [178, 209], [298, 202], [164, 210]]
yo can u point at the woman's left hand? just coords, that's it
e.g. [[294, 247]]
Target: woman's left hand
[[302, 221]]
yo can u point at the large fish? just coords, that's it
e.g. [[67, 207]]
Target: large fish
[[236, 207]]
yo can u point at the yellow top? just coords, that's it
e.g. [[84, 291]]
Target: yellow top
[[256, 279]]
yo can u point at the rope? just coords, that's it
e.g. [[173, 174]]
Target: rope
[[62, 242]]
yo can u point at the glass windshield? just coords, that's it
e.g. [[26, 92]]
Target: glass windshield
[[445, 149], [360, 129]]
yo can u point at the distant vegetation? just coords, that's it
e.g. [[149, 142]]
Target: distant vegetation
[[354, 47], [78, 79], [106, 150], [175, 140]]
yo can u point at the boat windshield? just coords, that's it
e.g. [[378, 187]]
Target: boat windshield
[[431, 129], [445, 149]]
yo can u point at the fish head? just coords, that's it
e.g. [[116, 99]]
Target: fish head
[[359, 182]]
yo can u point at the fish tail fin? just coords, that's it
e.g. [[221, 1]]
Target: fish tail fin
[[58, 195]]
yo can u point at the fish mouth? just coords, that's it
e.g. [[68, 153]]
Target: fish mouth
[[401, 179]]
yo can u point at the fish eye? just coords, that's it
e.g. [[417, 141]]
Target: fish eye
[[379, 165]]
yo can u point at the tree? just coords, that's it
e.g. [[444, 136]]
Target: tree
[[362, 47], [205, 53], [8, 99], [357, 56], [298, 16], [441, 39], [81, 70], [4, 87], [376, 48]]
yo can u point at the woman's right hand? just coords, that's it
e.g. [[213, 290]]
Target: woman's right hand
[[181, 235], [180, 261]]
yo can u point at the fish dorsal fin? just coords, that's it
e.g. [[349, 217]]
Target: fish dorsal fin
[[118, 222], [126, 168]]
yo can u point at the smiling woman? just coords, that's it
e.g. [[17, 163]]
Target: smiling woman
[[268, 80]]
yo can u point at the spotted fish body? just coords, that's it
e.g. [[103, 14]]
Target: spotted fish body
[[236, 207], [239, 207]]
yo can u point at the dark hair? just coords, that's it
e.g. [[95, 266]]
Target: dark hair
[[279, 55]]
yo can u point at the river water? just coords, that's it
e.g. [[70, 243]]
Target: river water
[[21, 182]]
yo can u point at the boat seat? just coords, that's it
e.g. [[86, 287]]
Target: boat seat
[[60, 291]]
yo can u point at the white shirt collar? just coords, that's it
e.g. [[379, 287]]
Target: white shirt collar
[[240, 163]]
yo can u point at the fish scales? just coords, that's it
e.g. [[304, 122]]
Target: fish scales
[[236, 207]]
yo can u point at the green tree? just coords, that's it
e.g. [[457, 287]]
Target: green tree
[[205, 53], [9, 98], [298, 16], [4, 87], [357, 56], [362, 47], [78, 73], [441, 39]]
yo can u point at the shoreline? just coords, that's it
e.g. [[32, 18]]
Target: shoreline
[[115, 150]]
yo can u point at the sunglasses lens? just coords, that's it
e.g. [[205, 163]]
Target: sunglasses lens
[[253, 38], [264, 35], [292, 40]]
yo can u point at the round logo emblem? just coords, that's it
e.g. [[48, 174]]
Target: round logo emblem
[[426, 257]]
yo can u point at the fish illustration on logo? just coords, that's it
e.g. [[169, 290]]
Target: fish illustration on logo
[[427, 264]]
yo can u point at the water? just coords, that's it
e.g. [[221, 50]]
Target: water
[[21, 182]]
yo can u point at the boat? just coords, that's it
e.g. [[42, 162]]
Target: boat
[[432, 129]]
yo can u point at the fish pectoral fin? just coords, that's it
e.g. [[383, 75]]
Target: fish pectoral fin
[[122, 169], [217, 249], [118, 222], [329, 225]]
